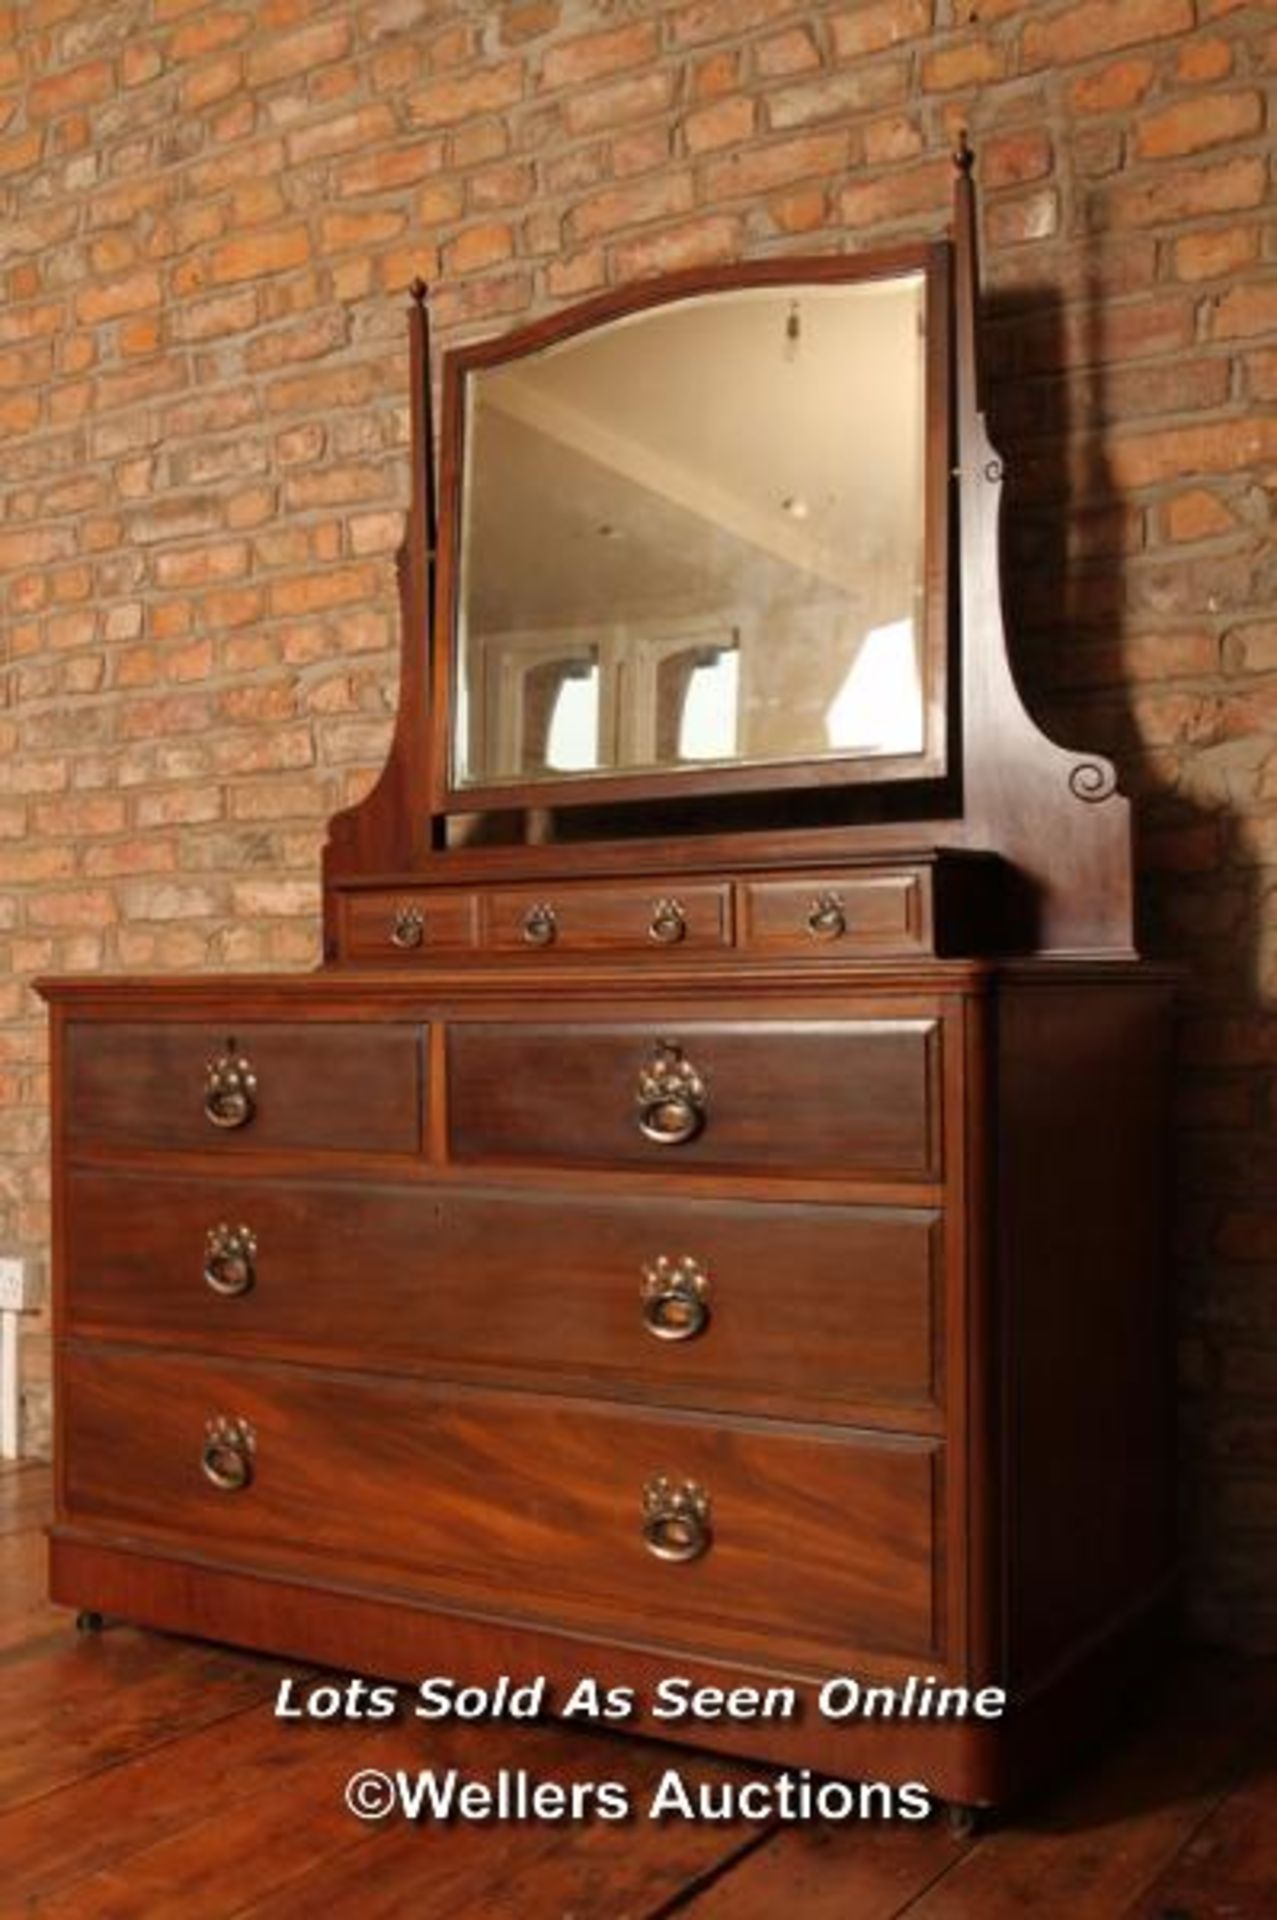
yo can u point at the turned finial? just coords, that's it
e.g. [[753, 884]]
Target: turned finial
[[964, 153]]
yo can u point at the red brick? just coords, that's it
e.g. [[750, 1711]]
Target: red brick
[[526, 22], [75, 87], [1012, 158], [1099, 26], [213, 82], [253, 256], [1201, 60], [1170, 198], [713, 77], [448, 101], [1112, 89], [479, 247], [897, 196], [701, 242], [974, 65], [791, 52], [195, 566], [1262, 372], [503, 186], [725, 124], [298, 53], [624, 100], [630, 205], [1191, 125], [1246, 310], [338, 232], [22, 153], [858, 90], [115, 297], [1030, 216], [393, 167], [877, 24], [759, 169], [592, 54], [1214, 252], [310, 592], [1196, 515], [1177, 453], [343, 133], [895, 138], [207, 33], [707, 20]]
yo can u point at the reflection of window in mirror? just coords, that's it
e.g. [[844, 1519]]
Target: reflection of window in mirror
[[538, 705], [879, 705], [572, 736]]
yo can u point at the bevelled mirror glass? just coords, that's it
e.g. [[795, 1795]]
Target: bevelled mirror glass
[[702, 536]]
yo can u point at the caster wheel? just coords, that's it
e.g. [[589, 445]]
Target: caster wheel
[[87, 1621], [963, 1822]]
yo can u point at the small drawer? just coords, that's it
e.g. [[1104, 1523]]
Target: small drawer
[[804, 1097], [718, 1535], [752, 1304], [239, 1083], [410, 925], [682, 919], [820, 913]]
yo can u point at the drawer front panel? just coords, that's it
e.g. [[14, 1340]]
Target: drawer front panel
[[819, 1543], [824, 913], [797, 1305], [146, 1084], [804, 1097], [405, 926], [607, 919]]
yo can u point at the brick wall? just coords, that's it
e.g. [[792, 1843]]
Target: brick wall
[[208, 215]]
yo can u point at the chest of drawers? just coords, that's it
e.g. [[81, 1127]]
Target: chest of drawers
[[648, 1246], [722, 1328]]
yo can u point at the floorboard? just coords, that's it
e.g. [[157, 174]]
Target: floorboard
[[144, 1775]]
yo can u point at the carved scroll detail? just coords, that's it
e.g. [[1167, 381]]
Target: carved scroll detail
[[1093, 780]]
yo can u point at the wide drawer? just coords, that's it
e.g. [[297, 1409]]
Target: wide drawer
[[800, 1096], [190, 1084], [816, 1543], [707, 1302]]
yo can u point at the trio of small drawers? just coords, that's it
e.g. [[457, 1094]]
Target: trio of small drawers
[[513, 1394]]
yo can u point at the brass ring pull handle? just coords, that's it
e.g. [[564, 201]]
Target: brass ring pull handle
[[668, 924], [230, 1256], [672, 1097], [227, 1456], [540, 926], [675, 1519], [827, 920], [675, 1296], [408, 928], [230, 1090]]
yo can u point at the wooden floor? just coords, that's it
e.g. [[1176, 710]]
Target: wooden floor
[[145, 1776]]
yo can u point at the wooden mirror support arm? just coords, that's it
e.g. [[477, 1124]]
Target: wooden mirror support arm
[[1055, 816], [389, 829]]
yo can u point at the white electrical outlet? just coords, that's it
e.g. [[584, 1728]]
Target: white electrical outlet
[[19, 1285]]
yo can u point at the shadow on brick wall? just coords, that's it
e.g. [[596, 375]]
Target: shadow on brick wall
[[1080, 554]]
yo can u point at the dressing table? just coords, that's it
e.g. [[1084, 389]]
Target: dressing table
[[704, 1214]]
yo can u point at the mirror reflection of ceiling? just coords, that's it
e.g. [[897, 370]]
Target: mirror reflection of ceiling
[[762, 444]]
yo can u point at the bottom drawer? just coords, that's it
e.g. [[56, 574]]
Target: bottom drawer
[[817, 1542]]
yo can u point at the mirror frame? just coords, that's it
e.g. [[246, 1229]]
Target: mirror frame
[[596, 788]]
